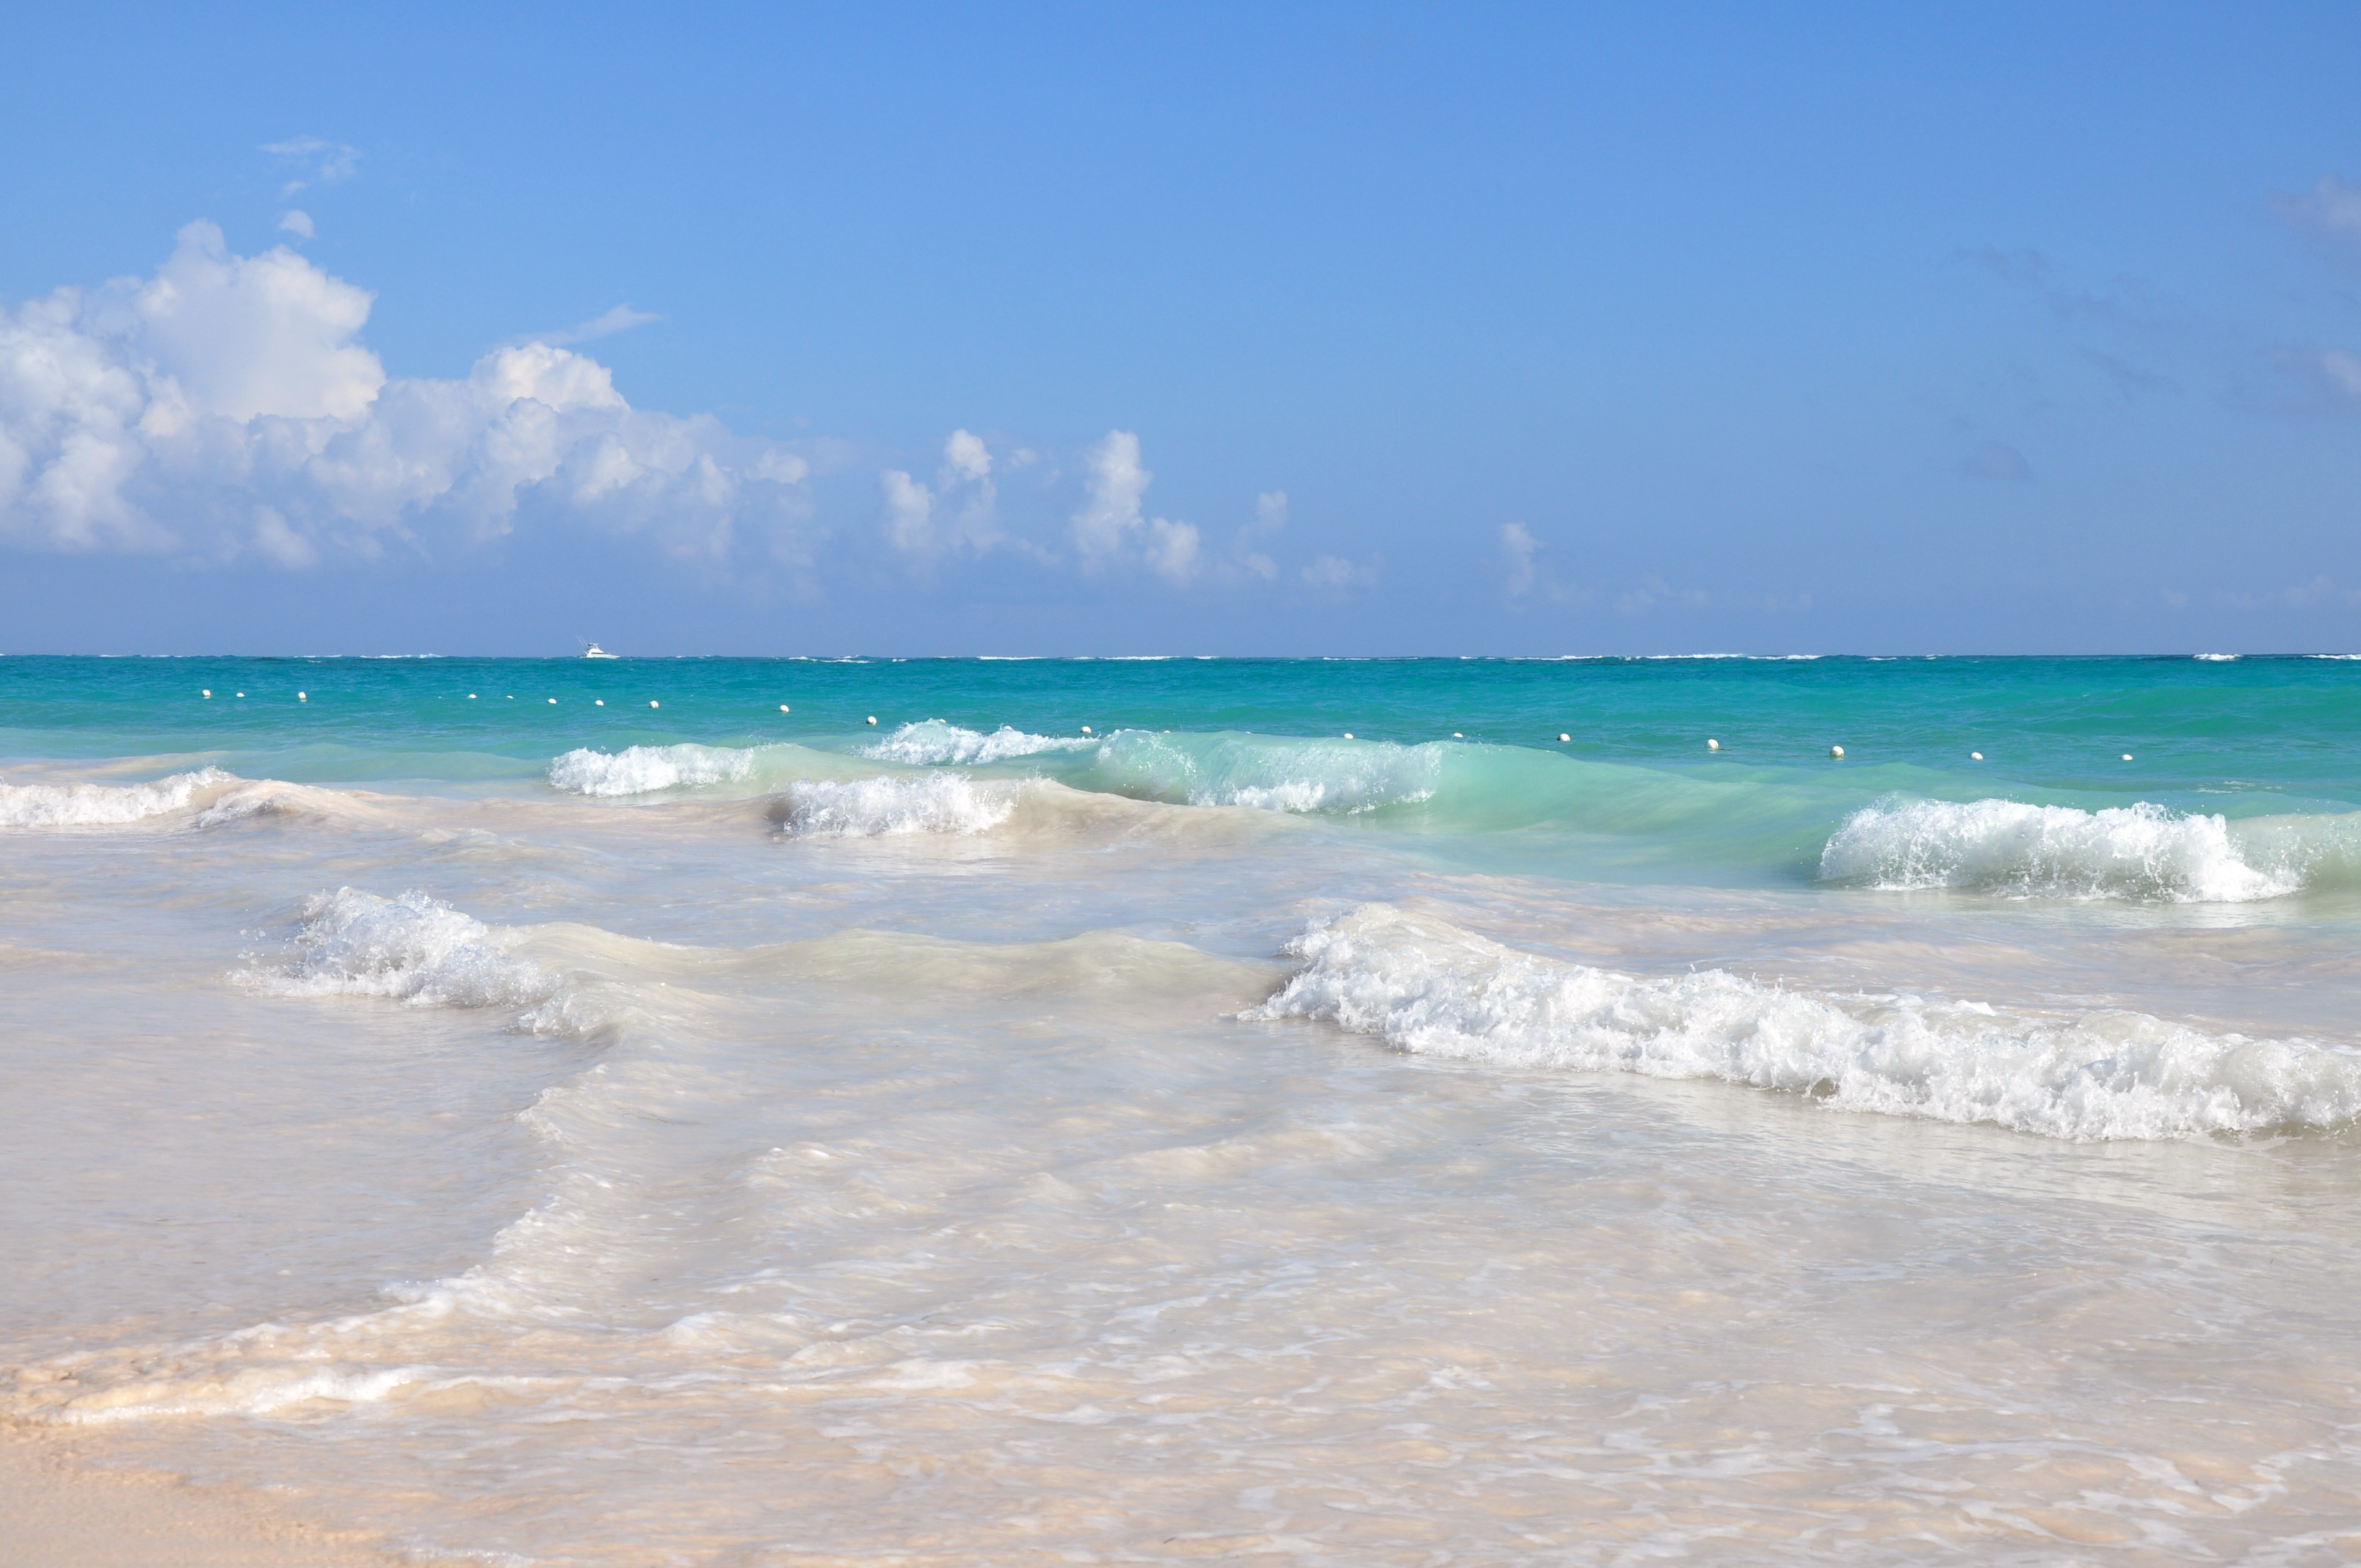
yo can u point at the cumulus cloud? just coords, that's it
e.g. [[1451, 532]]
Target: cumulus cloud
[[1110, 522], [958, 512], [223, 407], [297, 223]]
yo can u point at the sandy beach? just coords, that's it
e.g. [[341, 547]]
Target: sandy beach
[[60, 1510]]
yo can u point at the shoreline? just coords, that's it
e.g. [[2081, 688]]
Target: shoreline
[[59, 1511]]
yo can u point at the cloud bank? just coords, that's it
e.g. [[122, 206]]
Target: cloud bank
[[223, 408]]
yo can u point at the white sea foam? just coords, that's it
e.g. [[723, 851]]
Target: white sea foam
[[1430, 988], [2142, 851], [641, 770], [413, 950], [105, 805], [868, 808], [931, 742]]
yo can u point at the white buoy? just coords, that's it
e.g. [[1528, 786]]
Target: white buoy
[[207, 691], [1086, 728], [654, 704], [783, 707], [1456, 736], [1348, 735], [306, 697], [1564, 737], [1836, 752], [599, 702], [2128, 756], [1975, 756], [1712, 744], [872, 719], [471, 695], [553, 702], [241, 693]]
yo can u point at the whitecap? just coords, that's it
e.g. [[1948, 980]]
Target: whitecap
[[105, 805], [1429, 987], [869, 808], [641, 770], [2144, 851], [932, 743], [413, 949]]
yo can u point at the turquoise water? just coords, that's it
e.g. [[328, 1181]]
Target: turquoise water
[[1111, 1111], [1632, 791]]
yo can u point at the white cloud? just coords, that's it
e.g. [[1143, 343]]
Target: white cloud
[[297, 223], [621, 318], [957, 513], [1336, 573], [909, 512], [1114, 485], [1172, 550], [315, 162], [223, 407], [967, 456], [1519, 545]]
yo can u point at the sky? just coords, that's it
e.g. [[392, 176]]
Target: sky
[[1250, 330]]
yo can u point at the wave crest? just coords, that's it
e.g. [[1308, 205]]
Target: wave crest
[[1269, 774], [413, 950], [931, 742], [2142, 851], [642, 770], [106, 806], [876, 808], [1432, 989]]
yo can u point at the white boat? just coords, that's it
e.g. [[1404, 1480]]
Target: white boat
[[595, 652]]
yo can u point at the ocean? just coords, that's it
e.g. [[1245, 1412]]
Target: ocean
[[778, 1112]]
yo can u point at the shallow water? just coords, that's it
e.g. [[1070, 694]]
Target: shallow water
[[565, 1133]]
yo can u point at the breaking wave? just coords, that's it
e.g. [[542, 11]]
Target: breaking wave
[[413, 949], [2144, 851], [641, 770], [932, 743], [870, 809], [106, 805], [1430, 988], [1266, 774]]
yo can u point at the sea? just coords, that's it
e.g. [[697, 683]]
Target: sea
[[782, 1112]]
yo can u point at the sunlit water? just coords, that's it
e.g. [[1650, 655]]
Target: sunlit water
[[590, 1133]]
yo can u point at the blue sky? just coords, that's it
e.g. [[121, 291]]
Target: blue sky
[[1316, 329]]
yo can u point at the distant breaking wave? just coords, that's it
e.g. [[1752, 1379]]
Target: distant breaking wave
[[2140, 852], [1429, 987]]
